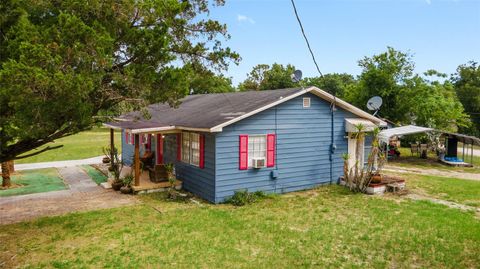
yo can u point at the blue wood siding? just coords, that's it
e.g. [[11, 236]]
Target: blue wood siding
[[303, 144], [198, 181], [128, 150]]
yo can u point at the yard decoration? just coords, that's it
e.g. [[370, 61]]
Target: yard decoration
[[359, 177]]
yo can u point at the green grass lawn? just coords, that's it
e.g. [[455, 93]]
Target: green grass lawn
[[326, 227], [407, 160], [79, 146], [451, 189], [34, 181], [96, 175]]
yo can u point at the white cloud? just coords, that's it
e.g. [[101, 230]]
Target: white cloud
[[243, 18]]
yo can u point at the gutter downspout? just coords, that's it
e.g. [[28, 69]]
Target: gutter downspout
[[332, 145]]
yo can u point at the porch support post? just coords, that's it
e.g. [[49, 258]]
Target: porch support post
[[137, 160], [471, 156], [112, 147], [463, 151]]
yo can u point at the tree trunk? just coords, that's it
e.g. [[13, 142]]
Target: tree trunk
[[11, 167], [6, 174]]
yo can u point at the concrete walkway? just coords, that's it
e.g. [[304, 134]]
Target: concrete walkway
[[58, 164], [83, 195]]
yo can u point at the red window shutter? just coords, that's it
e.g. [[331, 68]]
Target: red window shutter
[[243, 149], [132, 139], [270, 150], [179, 147], [127, 137], [159, 149], [149, 142], [202, 152]]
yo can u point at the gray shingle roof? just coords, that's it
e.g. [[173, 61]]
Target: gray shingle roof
[[202, 110]]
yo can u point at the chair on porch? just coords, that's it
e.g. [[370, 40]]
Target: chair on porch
[[158, 173], [147, 159]]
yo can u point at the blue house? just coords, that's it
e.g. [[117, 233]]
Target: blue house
[[273, 141]]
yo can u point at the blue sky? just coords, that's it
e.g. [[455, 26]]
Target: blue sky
[[441, 34]]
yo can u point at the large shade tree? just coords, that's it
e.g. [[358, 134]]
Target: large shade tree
[[385, 75], [266, 77], [65, 62], [467, 86], [408, 98], [334, 83]]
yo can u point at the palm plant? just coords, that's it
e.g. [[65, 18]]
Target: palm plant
[[358, 177]]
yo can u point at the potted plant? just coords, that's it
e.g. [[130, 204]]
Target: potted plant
[[116, 169], [169, 168], [376, 178], [172, 180], [107, 152], [127, 182]]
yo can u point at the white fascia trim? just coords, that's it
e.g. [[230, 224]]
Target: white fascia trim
[[219, 127], [347, 106], [111, 126], [193, 129], [152, 130], [169, 128]]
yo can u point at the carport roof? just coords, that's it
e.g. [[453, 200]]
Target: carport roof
[[385, 135]]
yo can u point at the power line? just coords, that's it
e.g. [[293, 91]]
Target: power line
[[306, 39]]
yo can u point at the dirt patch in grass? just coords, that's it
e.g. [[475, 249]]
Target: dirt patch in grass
[[450, 189], [34, 181], [413, 161]]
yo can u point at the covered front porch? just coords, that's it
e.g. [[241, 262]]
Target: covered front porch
[[143, 157]]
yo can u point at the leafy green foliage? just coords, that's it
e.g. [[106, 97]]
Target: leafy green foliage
[[407, 97], [64, 62], [266, 77], [467, 87], [241, 198], [338, 84]]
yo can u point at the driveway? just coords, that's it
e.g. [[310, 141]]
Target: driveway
[[58, 164], [83, 195]]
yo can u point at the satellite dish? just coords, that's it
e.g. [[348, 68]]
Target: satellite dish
[[374, 104], [296, 76]]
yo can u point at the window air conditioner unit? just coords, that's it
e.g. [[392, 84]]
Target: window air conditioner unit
[[258, 162]]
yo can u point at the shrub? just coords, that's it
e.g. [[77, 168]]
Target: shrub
[[241, 198]]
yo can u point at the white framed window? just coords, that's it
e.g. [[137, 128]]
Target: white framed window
[[186, 147], [144, 139], [191, 148], [194, 149], [257, 148], [306, 102]]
